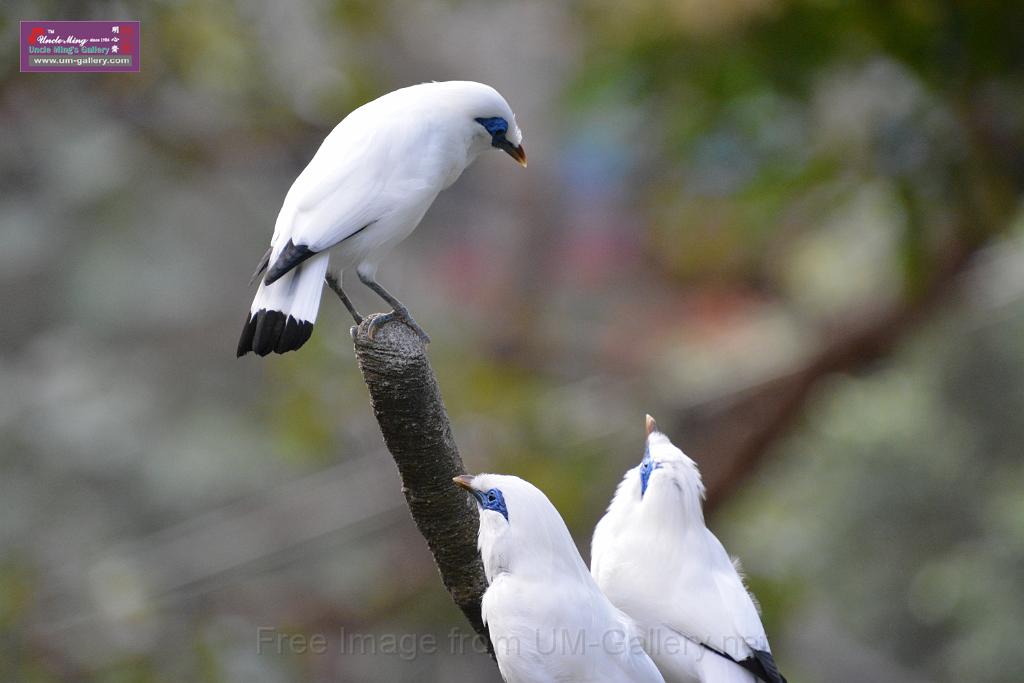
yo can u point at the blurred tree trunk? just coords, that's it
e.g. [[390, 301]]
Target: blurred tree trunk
[[730, 438]]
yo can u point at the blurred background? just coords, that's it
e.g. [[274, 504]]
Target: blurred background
[[791, 230]]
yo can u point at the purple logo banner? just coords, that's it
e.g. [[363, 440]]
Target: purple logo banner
[[80, 46]]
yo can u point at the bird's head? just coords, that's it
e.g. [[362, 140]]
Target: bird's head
[[655, 500], [486, 491], [665, 472], [518, 524], [504, 135], [488, 117]]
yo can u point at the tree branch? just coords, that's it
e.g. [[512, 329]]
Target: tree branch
[[407, 404], [731, 439]]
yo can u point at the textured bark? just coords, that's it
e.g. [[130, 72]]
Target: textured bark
[[407, 404]]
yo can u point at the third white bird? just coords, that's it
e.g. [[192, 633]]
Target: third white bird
[[656, 560]]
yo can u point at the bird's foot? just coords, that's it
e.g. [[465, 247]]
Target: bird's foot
[[401, 315]]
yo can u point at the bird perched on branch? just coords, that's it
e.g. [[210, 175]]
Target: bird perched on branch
[[656, 560], [547, 619], [364, 191]]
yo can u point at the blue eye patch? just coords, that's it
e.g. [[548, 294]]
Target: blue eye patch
[[492, 500], [494, 125], [647, 466]]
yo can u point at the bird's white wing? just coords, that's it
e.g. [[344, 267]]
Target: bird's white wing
[[361, 173], [707, 601], [736, 599], [576, 637], [513, 632]]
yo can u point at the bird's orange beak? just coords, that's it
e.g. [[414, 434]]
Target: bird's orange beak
[[650, 425], [464, 481], [519, 154], [514, 151]]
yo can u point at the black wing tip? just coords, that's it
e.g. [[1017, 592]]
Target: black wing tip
[[763, 665], [291, 256], [248, 331], [269, 331]]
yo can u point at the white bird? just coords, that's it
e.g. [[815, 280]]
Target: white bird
[[548, 621], [656, 560], [365, 191]]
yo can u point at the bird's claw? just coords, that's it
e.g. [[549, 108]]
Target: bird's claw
[[379, 321]]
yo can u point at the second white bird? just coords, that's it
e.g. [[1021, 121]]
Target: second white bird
[[548, 621]]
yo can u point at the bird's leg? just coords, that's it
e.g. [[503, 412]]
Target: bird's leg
[[334, 282], [399, 311]]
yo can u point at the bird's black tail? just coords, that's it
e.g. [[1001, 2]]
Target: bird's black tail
[[282, 314], [272, 331]]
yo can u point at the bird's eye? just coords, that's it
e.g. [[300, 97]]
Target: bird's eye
[[491, 497]]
